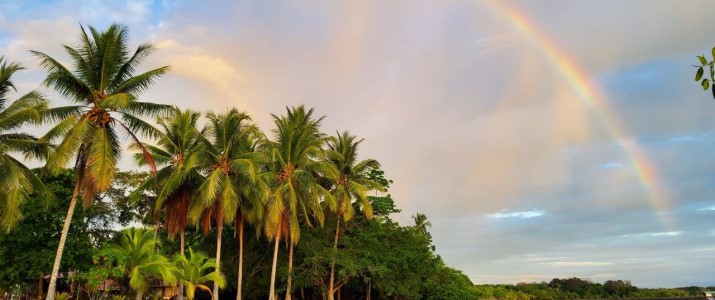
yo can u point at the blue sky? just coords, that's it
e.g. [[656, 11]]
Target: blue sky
[[477, 128]]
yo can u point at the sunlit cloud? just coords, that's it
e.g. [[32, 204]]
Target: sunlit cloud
[[709, 208]]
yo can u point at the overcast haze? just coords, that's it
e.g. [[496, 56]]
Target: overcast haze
[[478, 127]]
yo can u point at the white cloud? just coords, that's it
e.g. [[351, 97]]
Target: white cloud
[[654, 234], [577, 264], [526, 214], [611, 165]]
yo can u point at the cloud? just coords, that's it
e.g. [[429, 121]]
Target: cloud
[[654, 234], [577, 264], [527, 214], [611, 165]]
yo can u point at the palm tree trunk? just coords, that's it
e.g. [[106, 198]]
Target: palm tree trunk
[[272, 293], [239, 294], [290, 271], [331, 289], [181, 284], [52, 287], [218, 256], [139, 295]]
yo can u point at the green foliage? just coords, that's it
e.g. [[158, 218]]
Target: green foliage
[[21, 259], [708, 82], [105, 267], [138, 259], [17, 180], [576, 288], [195, 270]]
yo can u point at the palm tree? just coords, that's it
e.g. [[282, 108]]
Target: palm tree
[[104, 86], [194, 272], [295, 162], [230, 172], [17, 180], [353, 182], [140, 261], [250, 209], [421, 224], [178, 151]]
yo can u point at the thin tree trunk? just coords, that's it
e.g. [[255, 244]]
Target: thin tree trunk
[[182, 238], [39, 288], [339, 294], [139, 296], [61, 247], [331, 289], [369, 290], [272, 293], [290, 271], [218, 256], [239, 295]]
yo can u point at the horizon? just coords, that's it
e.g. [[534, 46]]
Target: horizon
[[542, 139]]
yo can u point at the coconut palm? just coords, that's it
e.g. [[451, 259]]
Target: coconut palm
[[104, 85], [178, 152], [353, 182], [295, 156], [421, 224], [140, 261], [195, 271], [17, 180], [230, 168], [250, 208]]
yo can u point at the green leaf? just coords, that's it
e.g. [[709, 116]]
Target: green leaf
[[713, 90], [705, 84], [713, 52], [699, 74], [703, 60]]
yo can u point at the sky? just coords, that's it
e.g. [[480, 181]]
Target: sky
[[543, 139]]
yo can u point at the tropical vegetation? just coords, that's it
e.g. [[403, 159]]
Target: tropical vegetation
[[208, 185]]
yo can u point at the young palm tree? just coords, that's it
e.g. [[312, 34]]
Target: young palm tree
[[421, 224], [17, 180], [353, 182], [140, 261], [104, 86], [295, 163], [178, 151], [231, 172], [195, 271]]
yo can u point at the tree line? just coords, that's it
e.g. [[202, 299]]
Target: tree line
[[281, 186], [577, 288]]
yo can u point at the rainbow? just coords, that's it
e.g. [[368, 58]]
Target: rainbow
[[592, 97]]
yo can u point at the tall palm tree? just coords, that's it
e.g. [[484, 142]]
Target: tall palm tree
[[140, 261], [178, 151], [250, 208], [17, 180], [296, 161], [195, 271], [421, 224], [353, 182], [230, 169], [104, 86]]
